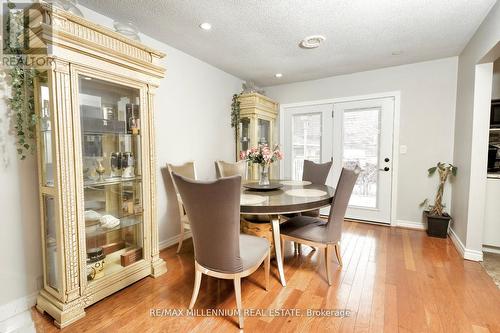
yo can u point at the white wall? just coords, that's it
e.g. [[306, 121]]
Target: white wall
[[192, 123], [469, 154], [495, 91], [428, 92]]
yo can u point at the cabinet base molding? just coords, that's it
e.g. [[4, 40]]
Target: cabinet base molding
[[64, 314], [158, 267]]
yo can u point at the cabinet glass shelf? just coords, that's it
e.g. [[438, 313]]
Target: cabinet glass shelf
[[110, 181], [125, 222]]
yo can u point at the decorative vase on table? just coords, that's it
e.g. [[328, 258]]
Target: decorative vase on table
[[264, 157], [264, 174]]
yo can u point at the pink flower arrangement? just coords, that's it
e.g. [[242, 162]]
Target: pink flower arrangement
[[262, 154]]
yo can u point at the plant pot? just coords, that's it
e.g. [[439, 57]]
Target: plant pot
[[437, 226]]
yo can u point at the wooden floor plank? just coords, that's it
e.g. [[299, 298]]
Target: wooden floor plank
[[393, 280]]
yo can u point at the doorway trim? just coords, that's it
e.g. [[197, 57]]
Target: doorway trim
[[395, 136]]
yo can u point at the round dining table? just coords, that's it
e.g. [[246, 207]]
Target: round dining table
[[291, 197]]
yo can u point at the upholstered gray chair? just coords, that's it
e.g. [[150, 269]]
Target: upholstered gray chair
[[316, 173], [220, 250], [226, 169], [187, 170], [315, 232]]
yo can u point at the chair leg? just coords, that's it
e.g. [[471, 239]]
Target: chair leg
[[237, 291], [299, 248], [181, 237], [338, 254], [267, 268], [328, 258], [196, 289]]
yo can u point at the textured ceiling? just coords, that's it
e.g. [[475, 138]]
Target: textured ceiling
[[254, 39]]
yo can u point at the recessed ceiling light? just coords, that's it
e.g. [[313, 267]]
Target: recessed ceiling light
[[311, 42], [87, 78], [278, 75], [206, 26]]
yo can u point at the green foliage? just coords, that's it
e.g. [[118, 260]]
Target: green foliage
[[235, 115], [21, 103], [444, 169]]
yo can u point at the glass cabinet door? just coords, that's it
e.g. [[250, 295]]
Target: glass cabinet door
[[245, 133], [45, 114], [263, 131], [47, 174], [110, 118]]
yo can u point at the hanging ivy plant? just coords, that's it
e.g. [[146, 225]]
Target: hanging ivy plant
[[235, 119], [21, 102], [235, 114]]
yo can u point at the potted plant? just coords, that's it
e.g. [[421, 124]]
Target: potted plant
[[437, 219]]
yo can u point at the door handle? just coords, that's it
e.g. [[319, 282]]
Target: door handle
[[385, 169]]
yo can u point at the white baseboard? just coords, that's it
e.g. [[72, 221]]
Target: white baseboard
[[410, 224], [466, 253], [15, 316], [173, 240], [491, 249]]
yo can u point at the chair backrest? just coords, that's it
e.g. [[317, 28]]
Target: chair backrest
[[316, 173], [185, 170], [213, 209], [226, 169], [340, 201]]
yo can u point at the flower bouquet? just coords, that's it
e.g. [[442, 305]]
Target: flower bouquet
[[264, 157]]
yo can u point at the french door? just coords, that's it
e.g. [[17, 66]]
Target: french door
[[354, 132]]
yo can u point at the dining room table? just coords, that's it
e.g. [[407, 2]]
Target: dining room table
[[280, 198]]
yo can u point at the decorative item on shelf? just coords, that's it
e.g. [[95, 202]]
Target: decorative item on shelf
[[133, 118], [113, 247], [437, 219], [95, 263], [70, 6], [130, 257], [116, 164], [92, 216], [45, 117], [128, 163], [249, 87], [264, 157], [127, 29], [109, 221], [67, 5], [99, 169]]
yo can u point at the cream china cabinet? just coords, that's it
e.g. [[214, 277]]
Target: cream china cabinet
[[96, 162], [257, 122]]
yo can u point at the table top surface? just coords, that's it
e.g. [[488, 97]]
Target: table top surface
[[293, 197]]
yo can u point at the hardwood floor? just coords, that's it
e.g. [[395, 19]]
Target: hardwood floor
[[393, 280]]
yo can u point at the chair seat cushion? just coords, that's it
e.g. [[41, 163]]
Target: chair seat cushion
[[305, 227], [252, 250]]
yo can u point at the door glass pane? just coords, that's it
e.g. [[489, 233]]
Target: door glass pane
[[51, 246], [306, 141], [110, 116], [361, 146], [46, 133]]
